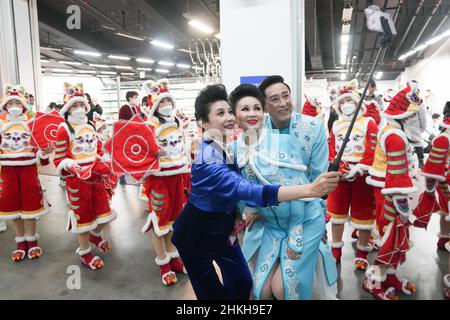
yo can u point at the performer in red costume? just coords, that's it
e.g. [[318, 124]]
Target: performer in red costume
[[353, 194], [165, 188], [89, 179], [392, 170], [21, 196]]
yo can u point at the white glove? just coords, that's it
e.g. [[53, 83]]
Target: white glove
[[401, 203], [354, 172]]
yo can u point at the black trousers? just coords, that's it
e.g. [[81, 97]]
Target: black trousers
[[237, 279]]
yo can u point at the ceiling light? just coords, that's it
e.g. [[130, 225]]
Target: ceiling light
[[183, 66], [44, 60], [218, 35], [70, 62], [378, 75], [406, 55], [185, 50], [446, 33], [162, 70], [87, 71], [87, 53], [345, 38], [343, 76], [123, 67], [144, 69], [127, 73], [128, 36], [162, 44], [119, 57], [197, 68], [166, 63], [200, 26], [142, 60], [108, 27], [61, 74], [434, 40], [62, 70], [421, 47], [99, 65], [108, 72]]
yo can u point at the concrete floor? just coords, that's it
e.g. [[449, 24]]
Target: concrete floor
[[130, 271]]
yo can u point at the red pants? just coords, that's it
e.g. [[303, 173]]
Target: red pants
[[379, 202], [21, 195], [89, 204], [166, 200], [395, 235], [356, 197]]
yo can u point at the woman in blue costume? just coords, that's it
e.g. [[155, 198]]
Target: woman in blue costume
[[291, 232], [202, 231]]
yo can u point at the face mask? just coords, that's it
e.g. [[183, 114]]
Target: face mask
[[348, 108], [15, 111], [78, 113], [133, 102], [165, 111]]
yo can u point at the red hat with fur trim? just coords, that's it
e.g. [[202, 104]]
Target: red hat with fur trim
[[73, 94], [349, 90], [156, 92], [405, 103], [445, 123], [14, 93]]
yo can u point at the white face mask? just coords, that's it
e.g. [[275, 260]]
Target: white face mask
[[15, 110], [78, 113], [348, 108], [165, 111]]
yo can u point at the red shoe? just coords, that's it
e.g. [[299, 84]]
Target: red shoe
[[403, 286], [447, 286], [175, 262], [88, 259], [361, 257], [34, 251], [443, 239], [336, 249], [375, 285], [168, 277], [22, 248], [99, 242]]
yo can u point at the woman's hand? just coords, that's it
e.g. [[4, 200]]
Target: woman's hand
[[292, 254], [325, 184]]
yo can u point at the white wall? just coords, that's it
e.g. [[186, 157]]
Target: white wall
[[53, 88], [432, 73], [257, 39]]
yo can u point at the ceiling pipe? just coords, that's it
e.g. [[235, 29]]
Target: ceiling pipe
[[438, 4], [395, 18], [405, 34], [333, 45], [100, 15]]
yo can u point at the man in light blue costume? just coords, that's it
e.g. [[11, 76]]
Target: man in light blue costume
[[307, 147]]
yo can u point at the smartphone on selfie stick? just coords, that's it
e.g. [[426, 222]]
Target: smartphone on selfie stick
[[380, 22]]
